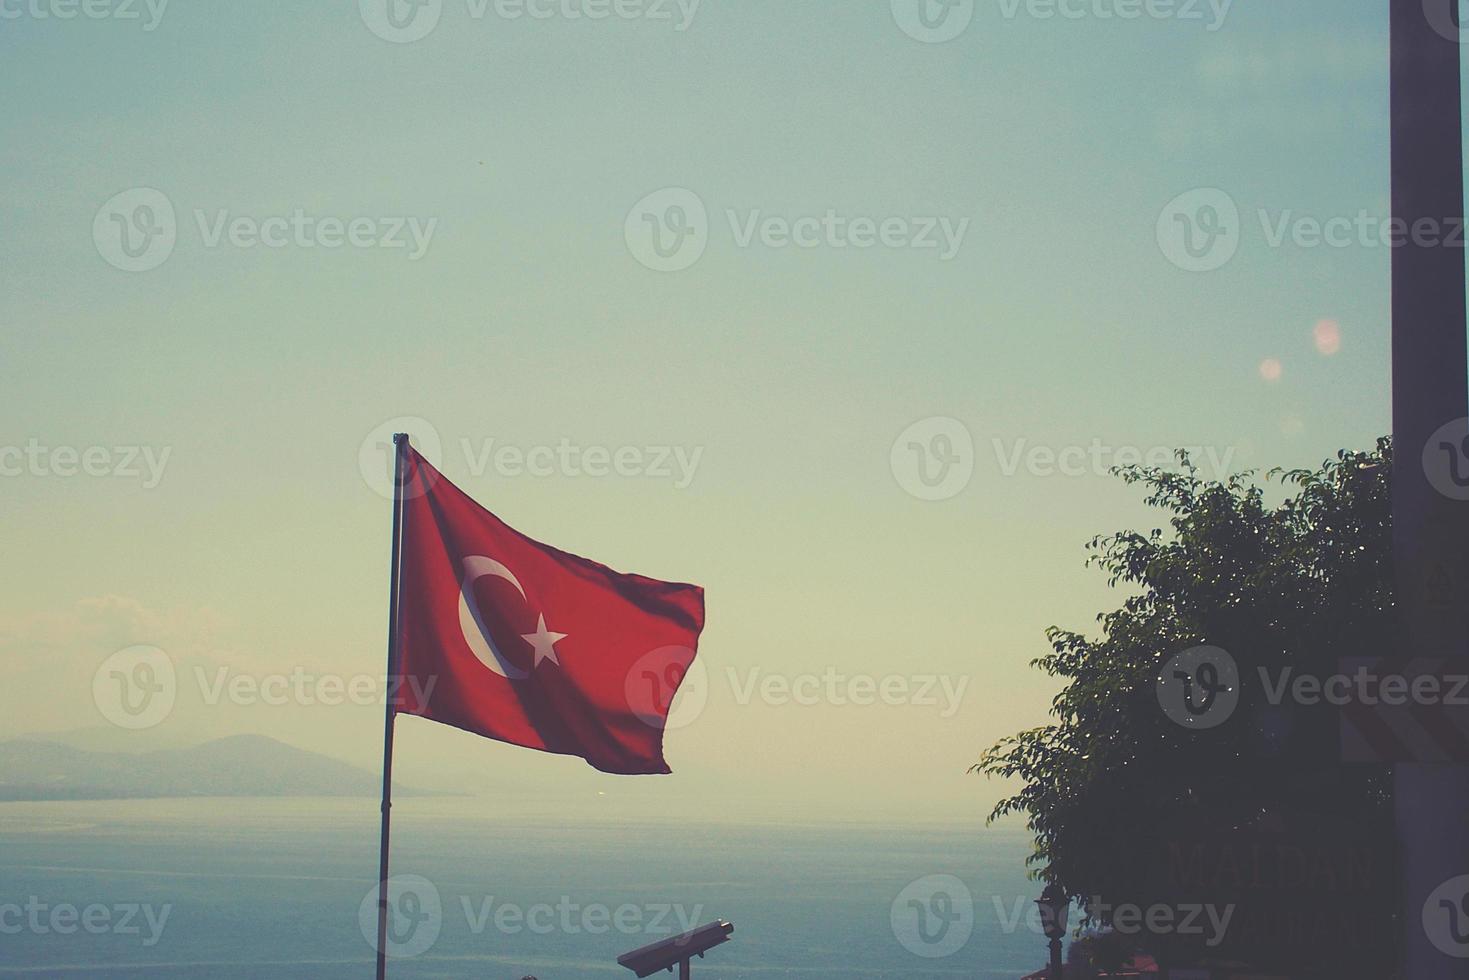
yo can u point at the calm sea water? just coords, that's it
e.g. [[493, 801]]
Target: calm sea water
[[258, 888]]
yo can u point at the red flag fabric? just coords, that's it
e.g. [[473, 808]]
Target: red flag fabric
[[517, 641]]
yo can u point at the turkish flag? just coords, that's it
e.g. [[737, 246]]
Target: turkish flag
[[517, 641]]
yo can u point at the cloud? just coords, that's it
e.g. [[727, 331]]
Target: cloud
[[1294, 88], [102, 624], [1269, 65], [51, 655]]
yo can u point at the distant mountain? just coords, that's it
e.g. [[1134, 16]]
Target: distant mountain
[[242, 765], [103, 738]]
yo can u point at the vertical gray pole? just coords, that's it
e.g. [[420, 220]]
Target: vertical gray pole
[[1429, 390], [400, 451]]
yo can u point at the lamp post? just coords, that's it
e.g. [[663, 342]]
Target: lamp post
[[1054, 905]]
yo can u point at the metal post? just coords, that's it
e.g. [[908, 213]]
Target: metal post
[[685, 970], [1429, 390], [400, 451], [1058, 969]]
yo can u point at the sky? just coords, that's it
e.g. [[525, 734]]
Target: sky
[[868, 308]]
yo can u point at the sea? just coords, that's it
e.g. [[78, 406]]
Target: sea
[[254, 888]]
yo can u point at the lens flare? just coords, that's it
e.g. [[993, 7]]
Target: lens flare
[[1328, 337]]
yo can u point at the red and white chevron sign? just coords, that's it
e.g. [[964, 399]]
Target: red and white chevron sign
[[1414, 710]]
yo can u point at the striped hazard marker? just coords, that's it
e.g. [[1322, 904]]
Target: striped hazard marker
[[1412, 710]]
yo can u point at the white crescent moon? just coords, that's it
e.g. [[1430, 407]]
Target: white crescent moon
[[476, 635]]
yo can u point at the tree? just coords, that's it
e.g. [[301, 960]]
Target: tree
[[1295, 585]]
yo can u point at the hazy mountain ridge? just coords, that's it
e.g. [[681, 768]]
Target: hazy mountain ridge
[[36, 768]]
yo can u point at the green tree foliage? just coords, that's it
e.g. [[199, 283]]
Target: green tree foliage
[[1298, 584]]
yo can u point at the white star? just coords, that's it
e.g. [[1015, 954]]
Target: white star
[[543, 641]]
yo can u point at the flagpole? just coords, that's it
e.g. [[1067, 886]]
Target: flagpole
[[400, 453]]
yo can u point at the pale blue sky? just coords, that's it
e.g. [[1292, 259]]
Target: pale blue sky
[[528, 320]]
